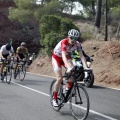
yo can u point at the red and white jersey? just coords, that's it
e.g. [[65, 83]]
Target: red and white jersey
[[63, 45]]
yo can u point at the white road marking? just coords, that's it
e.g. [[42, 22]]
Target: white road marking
[[92, 111], [30, 88]]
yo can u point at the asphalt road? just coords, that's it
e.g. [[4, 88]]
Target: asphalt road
[[29, 100]]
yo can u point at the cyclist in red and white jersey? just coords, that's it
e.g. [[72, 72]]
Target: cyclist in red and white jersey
[[60, 57]]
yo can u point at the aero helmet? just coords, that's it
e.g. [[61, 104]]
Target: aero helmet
[[23, 44], [8, 47], [73, 33]]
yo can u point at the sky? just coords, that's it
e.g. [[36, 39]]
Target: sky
[[76, 10]]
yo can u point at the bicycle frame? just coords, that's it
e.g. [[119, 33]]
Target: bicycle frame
[[67, 96]]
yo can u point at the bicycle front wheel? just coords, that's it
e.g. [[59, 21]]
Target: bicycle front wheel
[[21, 72], [8, 74], [79, 103]]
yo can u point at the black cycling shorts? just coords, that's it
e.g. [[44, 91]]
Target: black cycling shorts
[[21, 57]]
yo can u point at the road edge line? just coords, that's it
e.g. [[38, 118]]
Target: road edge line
[[55, 77]]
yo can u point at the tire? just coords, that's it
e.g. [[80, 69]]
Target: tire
[[79, 110], [2, 78], [8, 74], [51, 96], [90, 81], [21, 72], [16, 74]]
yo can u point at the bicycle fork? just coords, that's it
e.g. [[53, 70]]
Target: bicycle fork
[[77, 90]]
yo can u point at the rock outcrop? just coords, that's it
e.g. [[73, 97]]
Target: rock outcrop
[[16, 31]]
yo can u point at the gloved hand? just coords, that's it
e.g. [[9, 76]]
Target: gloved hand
[[87, 69], [69, 70]]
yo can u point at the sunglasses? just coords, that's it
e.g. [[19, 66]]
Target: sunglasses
[[74, 38]]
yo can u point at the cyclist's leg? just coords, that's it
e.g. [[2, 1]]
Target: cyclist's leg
[[1, 69], [17, 60], [23, 69], [15, 67], [58, 72], [3, 65], [70, 81], [23, 58]]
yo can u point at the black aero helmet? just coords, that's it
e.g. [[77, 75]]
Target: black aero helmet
[[8, 47], [23, 44]]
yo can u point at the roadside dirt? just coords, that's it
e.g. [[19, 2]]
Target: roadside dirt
[[106, 64]]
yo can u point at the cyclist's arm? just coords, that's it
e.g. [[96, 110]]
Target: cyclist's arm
[[65, 59], [12, 52], [88, 59], [83, 59], [17, 53], [1, 54], [84, 53], [27, 56]]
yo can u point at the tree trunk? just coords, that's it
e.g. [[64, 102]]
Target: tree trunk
[[118, 32], [93, 7], [98, 16], [106, 20]]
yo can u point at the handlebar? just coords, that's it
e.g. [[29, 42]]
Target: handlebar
[[72, 73]]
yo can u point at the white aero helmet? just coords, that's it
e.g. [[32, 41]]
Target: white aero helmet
[[73, 33], [23, 44]]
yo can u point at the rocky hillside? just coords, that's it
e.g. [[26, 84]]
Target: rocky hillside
[[106, 64], [16, 31]]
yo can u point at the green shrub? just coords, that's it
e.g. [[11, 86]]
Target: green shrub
[[116, 12], [50, 41], [49, 23], [53, 29], [66, 25], [86, 35]]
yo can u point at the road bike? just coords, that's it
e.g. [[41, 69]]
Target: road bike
[[77, 97], [7, 71], [20, 71]]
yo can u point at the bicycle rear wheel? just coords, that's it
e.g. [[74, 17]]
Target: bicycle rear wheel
[[79, 104], [8, 74], [58, 97]]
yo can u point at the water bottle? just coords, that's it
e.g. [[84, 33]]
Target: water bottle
[[64, 88]]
